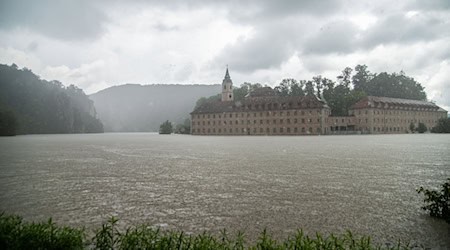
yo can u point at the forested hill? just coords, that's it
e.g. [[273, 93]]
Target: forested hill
[[142, 108], [30, 105]]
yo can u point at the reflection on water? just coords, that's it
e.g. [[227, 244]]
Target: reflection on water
[[328, 183]]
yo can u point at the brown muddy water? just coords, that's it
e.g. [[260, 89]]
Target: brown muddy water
[[319, 183]]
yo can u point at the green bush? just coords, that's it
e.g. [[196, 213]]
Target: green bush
[[16, 234], [437, 203]]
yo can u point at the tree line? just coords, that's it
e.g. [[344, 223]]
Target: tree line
[[350, 86], [30, 105]]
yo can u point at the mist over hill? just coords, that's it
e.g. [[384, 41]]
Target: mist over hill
[[142, 108], [31, 105]]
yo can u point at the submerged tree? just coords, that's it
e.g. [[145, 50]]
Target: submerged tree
[[412, 127], [443, 126], [421, 128], [166, 128], [184, 128]]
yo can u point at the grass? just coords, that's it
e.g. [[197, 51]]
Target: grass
[[18, 234]]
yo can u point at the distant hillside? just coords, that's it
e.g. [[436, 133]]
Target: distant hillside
[[30, 105], [142, 108]]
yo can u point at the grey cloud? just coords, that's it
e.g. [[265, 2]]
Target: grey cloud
[[400, 29], [64, 20], [33, 46], [269, 48], [164, 27], [430, 4], [334, 37]]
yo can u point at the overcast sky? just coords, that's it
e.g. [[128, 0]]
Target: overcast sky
[[97, 44]]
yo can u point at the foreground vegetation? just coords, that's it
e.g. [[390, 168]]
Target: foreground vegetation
[[17, 234], [437, 203]]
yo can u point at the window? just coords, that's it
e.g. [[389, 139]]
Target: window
[[295, 130], [274, 121], [295, 120], [281, 130], [288, 121], [281, 121], [303, 130], [303, 120], [274, 130], [288, 130]]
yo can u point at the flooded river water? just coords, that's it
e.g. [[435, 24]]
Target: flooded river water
[[319, 183]]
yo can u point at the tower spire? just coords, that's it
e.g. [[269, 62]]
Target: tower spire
[[227, 74], [227, 87]]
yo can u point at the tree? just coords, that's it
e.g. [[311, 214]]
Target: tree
[[361, 78], [42, 106], [8, 123], [166, 128], [297, 88], [443, 126], [421, 128], [345, 77], [318, 82], [184, 128], [309, 88], [285, 87], [412, 127]]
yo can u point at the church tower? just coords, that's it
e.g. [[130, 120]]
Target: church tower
[[227, 88]]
